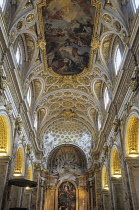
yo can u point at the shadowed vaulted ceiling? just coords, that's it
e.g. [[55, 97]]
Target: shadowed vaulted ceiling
[[67, 47]]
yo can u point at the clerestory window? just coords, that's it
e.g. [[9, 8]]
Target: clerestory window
[[106, 97], [135, 4], [29, 96], [117, 59], [1, 3], [35, 121], [18, 56], [99, 122]]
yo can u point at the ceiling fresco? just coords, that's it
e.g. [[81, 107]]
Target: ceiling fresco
[[68, 45], [68, 30]]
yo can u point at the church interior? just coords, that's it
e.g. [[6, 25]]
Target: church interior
[[69, 104]]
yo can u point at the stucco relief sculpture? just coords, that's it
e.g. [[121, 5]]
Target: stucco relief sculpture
[[67, 164]]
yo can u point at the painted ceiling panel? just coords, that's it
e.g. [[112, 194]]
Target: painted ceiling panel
[[68, 30]]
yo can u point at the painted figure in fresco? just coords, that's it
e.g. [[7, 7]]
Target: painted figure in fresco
[[66, 196], [68, 29]]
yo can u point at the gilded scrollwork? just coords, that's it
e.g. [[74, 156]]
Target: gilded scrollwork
[[107, 18]]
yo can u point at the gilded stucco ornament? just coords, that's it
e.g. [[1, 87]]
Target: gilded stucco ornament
[[117, 26], [107, 18], [68, 114], [127, 108], [13, 34], [37, 166], [9, 108], [3, 81], [116, 124], [18, 124], [20, 25], [41, 43], [28, 4], [30, 18], [135, 80], [124, 36]]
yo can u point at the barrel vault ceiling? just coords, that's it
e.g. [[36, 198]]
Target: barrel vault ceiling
[[67, 46]]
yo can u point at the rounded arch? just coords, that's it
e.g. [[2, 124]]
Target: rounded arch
[[132, 136], [5, 137], [76, 151], [104, 178], [115, 163], [19, 162]]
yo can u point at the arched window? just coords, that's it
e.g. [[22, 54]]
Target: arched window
[[99, 122], [1, 3], [117, 59], [4, 136], [115, 164], [35, 122], [29, 96], [106, 97], [104, 179], [18, 169], [135, 4], [18, 55]]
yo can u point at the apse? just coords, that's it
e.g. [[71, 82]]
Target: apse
[[68, 132]]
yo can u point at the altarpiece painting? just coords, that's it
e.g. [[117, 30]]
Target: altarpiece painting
[[66, 196]]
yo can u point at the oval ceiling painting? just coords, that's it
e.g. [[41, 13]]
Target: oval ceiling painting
[[68, 30]]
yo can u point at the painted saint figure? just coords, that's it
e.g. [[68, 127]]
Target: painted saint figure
[[66, 196]]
